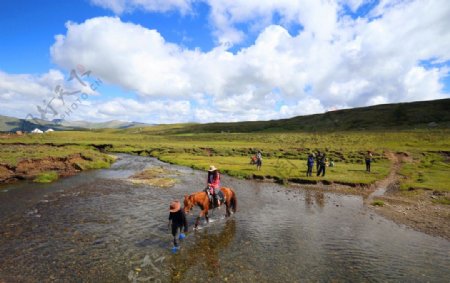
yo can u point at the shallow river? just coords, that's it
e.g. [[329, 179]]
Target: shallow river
[[98, 227]]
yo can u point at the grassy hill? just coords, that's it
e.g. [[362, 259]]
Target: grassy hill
[[401, 116], [413, 115]]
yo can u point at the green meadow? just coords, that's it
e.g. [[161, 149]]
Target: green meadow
[[284, 153], [11, 154]]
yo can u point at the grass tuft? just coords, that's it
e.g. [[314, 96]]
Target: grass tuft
[[46, 177], [378, 203]]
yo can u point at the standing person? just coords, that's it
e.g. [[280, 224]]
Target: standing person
[[214, 183], [310, 164], [318, 156], [322, 165], [177, 219], [368, 159], [258, 160]]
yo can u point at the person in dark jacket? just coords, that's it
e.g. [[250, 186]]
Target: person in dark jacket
[[322, 165], [368, 159], [177, 219], [310, 164], [318, 156]]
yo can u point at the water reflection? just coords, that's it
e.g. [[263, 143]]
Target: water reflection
[[204, 254], [314, 197]]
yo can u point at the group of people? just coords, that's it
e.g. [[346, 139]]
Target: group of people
[[321, 163], [177, 217]]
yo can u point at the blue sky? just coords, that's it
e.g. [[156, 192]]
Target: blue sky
[[169, 61]]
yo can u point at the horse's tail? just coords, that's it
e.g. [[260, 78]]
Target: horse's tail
[[233, 201]]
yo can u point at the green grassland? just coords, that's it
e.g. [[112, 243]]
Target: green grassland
[[281, 169], [430, 170], [284, 153], [12, 154]]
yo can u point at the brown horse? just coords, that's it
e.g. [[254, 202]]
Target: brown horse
[[202, 200]]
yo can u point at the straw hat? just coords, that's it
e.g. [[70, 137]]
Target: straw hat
[[212, 168], [175, 206]]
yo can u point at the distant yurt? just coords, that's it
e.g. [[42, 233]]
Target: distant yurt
[[49, 131], [36, 131]]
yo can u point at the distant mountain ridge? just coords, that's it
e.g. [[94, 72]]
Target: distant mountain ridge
[[398, 116], [11, 124], [434, 114], [113, 124]]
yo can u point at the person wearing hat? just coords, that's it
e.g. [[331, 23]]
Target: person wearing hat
[[177, 219], [214, 183]]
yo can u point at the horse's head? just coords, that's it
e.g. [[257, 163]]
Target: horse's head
[[188, 203]]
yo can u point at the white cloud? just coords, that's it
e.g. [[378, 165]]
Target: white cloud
[[45, 96], [305, 106], [156, 111], [317, 17], [144, 62], [23, 92], [334, 62]]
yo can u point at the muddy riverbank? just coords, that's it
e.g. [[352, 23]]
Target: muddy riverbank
[[98, 227], [29, 168]]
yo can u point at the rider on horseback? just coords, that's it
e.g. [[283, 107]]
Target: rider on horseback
[[214, 184]]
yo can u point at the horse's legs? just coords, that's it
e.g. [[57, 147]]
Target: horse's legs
[[202, 213], [227, 205], [198, 219], [196, 222]]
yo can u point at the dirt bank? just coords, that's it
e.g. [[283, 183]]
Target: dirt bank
[[418, 209], [28, 169]]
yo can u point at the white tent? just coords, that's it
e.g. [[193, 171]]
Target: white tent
[[36, 131], [49, 130]]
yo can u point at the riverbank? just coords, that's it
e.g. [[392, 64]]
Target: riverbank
[[418, 210], [43, 163], [427, 211]]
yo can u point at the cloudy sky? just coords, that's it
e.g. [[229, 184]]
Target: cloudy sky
[[168, 61]]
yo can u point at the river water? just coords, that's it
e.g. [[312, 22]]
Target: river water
[[98, 227]]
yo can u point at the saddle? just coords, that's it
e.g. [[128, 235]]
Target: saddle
[[219, 195]]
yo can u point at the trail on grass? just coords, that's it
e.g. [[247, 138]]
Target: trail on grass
[[392, 180], [414, 210]]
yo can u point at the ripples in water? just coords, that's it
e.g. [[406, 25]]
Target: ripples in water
[[96, 227]]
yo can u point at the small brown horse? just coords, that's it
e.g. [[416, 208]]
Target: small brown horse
[[202, 200]]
